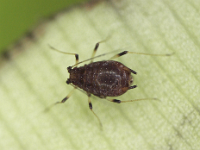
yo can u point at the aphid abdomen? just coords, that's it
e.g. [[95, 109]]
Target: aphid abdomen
[[106, 78]]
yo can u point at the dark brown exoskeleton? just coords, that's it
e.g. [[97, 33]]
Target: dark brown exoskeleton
[[102, 78]]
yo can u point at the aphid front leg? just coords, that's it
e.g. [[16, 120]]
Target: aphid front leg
[[67, 97], [76, 55], [62, 101], [90, 106]]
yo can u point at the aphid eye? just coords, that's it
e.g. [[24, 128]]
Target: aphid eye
[[68, 81], [69, 68]]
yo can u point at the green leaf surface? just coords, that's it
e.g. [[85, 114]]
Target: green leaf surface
[[32, 77]]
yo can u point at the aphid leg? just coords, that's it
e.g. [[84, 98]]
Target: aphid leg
[[90, 106], [126, 52], [97, 45], [95, 49], [76, 55], [128, 69], [62, 101], [119, 101], [134, 72]]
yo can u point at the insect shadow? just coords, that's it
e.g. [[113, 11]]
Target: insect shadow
[[107, 78]]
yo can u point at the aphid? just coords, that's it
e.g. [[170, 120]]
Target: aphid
[[102, 78]]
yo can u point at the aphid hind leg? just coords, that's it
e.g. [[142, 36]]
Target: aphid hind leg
[[126, 52], [131, 87], [90, 106], [119, 101], [62, 101]]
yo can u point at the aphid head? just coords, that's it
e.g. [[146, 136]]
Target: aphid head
[[75, 75], [69, 70]]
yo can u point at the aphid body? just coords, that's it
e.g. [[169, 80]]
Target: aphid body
[[102, 78]]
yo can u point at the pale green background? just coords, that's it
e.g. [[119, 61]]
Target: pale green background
[[19, 16]]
